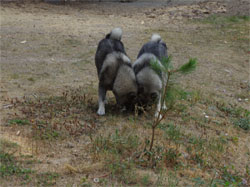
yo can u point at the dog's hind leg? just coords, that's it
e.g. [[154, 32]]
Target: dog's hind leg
[[158, 108], [102, 96]]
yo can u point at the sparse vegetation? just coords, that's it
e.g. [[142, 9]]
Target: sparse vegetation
[[168, 96], [9, 165], [46, 179], [19, 122], [243, 123], [200, 142]]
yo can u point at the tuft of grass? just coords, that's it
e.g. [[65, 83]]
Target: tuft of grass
[[243, 123], [145, 181], [233, 29], [172, 179], [173, 133], [31, 79], [19, 122], [15, 76], [117, 144], [231, 178], [47, 178], [72, 42], [232, 111], [219, 20], [239, 116], [123, 171], [7, 145], [171, 157], [10, 167]]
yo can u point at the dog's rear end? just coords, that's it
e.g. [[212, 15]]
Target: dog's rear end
[[150, 84], [114, 71]]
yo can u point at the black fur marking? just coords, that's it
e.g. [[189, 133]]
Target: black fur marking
[[105, 47], [108, 36], [159, 49]]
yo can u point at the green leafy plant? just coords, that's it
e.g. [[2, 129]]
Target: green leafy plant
[[10, 167], [19, 122], [243, 123], [167, 70], [47, 178]]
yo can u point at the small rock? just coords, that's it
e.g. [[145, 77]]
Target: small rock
[[185, 155], [244, 181], [142, 22], [239, 99], [7, 106], [23, 42], [96, 180], [226, 70], [151, 16], [18, 133], [69, 145]]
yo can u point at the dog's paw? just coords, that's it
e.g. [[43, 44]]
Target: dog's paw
[[101, 111], [157, 114], [164, 106]]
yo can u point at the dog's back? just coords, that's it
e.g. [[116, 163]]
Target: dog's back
[[156, 47], [108, 45], [114, 71], [149, 82]]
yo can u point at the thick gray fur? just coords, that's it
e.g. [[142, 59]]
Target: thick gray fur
[[150, 84], [114, 71]]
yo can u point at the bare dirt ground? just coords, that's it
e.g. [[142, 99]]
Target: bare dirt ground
[[48, 78]]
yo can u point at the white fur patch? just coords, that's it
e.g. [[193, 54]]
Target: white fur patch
[[144, 58], [125, 58], [116, 33], [155, 38], [101, 109]]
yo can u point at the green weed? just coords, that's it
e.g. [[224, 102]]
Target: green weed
[[47, 179], [15, 76], [173, 181], [173, 133], [122, 170], [117, 143], [171, 157], [7, 145], [19, 122], [146, 180], [31, 79], [230, 178], [220, 20], [243, 123], [72, 42], [10, 167]]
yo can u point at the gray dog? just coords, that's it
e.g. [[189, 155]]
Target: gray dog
[[114, 71], [150, 84]]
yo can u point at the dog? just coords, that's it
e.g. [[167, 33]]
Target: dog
[[150, 84], [114, 71]]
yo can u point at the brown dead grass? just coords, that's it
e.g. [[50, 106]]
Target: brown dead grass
[[55, 72]]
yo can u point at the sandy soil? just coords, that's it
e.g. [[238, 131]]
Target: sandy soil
[[49, 49]]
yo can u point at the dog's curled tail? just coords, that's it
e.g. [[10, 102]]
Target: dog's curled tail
[[115, 34], [155, 38]]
